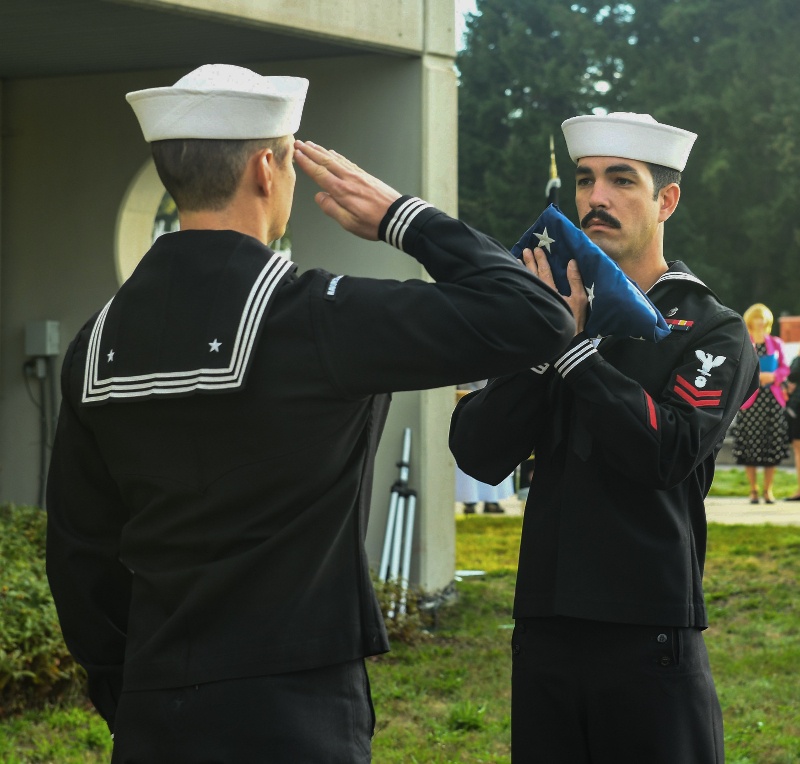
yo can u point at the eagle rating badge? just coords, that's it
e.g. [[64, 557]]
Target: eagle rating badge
[[708, 362]]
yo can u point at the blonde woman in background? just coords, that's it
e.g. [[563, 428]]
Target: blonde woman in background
[[761, 429]]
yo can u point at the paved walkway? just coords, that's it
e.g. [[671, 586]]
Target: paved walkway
[[732, 510]]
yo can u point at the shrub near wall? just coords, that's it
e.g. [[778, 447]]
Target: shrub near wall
[[35, 666]]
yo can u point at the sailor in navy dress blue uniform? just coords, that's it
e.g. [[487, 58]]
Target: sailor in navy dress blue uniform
[[220, 601], [609, 664]]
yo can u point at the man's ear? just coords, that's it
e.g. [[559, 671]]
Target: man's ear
[[264, 168], [668, 198]]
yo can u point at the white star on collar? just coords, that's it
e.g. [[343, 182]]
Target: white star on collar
[[544, 240], [110, 356], [590, 294], [215, 346]]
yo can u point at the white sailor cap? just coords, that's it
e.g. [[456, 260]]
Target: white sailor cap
[[629, 136], [221, 101]]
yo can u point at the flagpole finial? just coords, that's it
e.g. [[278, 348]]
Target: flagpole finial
[[553, 168], [551, 190]]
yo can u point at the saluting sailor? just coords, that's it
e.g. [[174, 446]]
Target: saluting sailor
[[219, 598], [609, 663]]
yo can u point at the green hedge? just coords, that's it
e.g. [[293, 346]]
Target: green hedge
[[35, 667]]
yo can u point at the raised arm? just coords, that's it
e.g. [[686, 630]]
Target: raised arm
[[355, 199], [487, 315]]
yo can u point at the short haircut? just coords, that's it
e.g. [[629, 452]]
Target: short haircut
[[203, 174], [662, 177]]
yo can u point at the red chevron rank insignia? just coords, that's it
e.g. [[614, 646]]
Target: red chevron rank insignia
[[694, 395]]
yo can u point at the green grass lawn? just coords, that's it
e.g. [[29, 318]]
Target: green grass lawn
[[733, 482], [454, 692], [446, 698]]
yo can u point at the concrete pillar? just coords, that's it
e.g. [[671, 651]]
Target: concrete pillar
[[437, 549]]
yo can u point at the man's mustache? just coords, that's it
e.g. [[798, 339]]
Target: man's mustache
[[602, 216]]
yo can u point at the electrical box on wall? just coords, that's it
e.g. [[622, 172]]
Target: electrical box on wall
[[42, 338]]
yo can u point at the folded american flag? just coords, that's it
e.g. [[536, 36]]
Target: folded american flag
[[617, 306]]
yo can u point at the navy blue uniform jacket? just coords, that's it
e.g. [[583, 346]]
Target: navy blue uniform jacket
[[188, 541], [625, 435]]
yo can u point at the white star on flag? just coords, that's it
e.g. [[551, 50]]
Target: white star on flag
[[215, 346], [619, 307], [110, 356], [590, 295], [544, 240]]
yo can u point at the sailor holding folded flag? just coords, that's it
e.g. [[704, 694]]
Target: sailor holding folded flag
[[609, 663]]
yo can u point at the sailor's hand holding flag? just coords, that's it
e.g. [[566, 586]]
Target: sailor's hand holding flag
[[614, 305], [536, 262]]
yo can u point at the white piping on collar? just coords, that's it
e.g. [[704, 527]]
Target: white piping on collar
[[138, 386], [676, 276]]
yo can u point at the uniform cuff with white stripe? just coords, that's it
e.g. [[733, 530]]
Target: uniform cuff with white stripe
[[580, 350], [403, 219]]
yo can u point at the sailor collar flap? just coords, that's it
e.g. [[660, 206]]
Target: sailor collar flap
[[678, 272], [185, 322]]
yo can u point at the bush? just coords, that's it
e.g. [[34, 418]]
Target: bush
[[35, 666]]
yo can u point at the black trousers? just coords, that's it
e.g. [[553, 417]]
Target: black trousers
[[585, 692], [323, 716]]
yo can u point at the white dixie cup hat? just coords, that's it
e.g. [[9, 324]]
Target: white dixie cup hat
[[628, 136], [221, 101]]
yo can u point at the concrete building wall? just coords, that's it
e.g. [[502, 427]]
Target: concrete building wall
[[71, 148], [402, 25]]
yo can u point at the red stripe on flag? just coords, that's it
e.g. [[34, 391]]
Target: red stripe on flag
[[695, 402], [696, 391], [651, 410]]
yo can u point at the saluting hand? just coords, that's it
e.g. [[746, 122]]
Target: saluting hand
[[536, 262], [353, 198]]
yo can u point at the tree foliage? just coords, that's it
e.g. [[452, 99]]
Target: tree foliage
[[724, 69]]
